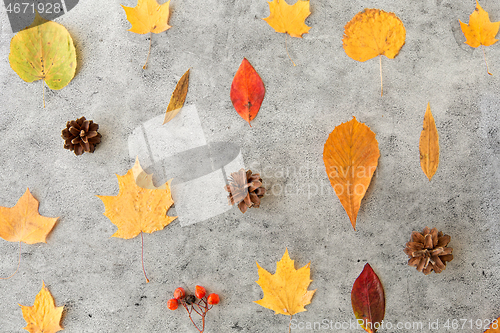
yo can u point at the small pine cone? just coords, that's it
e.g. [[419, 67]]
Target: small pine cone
[[81, 135], [245, 189], [428, 252]]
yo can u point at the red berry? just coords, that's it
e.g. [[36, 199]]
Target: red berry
[[213, 299], [172, 304], [200, 292], [179, 293]]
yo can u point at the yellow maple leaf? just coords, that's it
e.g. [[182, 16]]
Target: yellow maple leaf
[[23, 223], [148, 17], [373, 33], [287, 18], [43, 316], [480, 30], [136, 209], [285, 292]]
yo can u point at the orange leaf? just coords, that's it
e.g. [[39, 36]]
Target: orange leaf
[[23, 223], [429, 145], [480, 30], [247, 91], [43, 316], [494, 327], [351, 157], [136, 209], [287, 18]]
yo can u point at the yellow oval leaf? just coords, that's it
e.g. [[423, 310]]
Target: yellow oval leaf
[[373, 32], [429, 145], [351, 157]]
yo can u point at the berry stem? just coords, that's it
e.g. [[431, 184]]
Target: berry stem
[[142, 257], [18, 264]]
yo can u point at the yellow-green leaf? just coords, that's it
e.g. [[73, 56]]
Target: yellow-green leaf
[[44, 51], [178, 98]]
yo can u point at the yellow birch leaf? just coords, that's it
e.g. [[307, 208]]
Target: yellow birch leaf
[[351, 156], [285, 292], [178, 98], [43, 316], [373, 33], [429, 145]]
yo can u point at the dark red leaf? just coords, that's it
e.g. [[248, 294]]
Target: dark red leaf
[[368, 300], [247, 91]]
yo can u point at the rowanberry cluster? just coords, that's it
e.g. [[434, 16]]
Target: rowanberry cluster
[[200, 303]]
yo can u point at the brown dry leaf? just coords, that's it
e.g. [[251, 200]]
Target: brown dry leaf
[[285, 292], [480, 31], [23, 223], [351, 157], [136, 209], [43, 316], [148, 17], [178, 98], [373, 33], [494, 327], [429, 145]]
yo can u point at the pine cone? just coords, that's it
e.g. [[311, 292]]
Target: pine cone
[[428, 252], [81, 135], [245, 189]]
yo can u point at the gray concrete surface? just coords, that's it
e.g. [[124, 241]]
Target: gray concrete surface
[[99, 280]]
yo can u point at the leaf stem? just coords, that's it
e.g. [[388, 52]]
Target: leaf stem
[[381, 80], [142, 257], [43, 92], [286, 47], [484, 55], [149, 52], [290, 324], [18, 264]]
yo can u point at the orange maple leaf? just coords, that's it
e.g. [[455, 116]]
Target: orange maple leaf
[[43, 316], [23, 223], [373, 33], [480, 31], [148, 17], [351, 157]]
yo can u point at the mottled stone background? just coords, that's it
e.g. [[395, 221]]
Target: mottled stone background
[[99, 279]]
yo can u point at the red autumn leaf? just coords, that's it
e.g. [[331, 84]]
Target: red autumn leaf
[[368, 300], [247, 91]]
